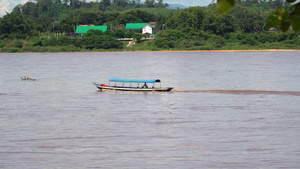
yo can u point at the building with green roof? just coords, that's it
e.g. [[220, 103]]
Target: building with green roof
[[84, 29], [144, 28]]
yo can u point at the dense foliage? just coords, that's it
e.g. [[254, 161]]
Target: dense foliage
[[286, 15], [205, 28], [43, 26]]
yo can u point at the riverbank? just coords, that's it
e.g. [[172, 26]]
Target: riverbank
[[105, 51], [261, 50], [145, 46]]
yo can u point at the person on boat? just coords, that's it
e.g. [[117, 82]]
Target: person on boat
[[145, 85]]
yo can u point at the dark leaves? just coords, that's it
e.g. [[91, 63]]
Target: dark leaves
[[225, 6], [282, 17]]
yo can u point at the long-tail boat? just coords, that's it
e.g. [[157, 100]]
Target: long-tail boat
[[133, 85]]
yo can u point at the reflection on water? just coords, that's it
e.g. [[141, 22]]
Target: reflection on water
[[228, 110]]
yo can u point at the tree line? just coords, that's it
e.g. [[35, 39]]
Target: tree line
[[56, 9], [38, 23], [285, 16], [206, 28]]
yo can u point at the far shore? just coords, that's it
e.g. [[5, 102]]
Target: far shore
[[260, 50], [108, 51]]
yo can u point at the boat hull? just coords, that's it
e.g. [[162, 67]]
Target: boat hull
[[166, 89]]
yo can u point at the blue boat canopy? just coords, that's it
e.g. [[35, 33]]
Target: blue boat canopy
[[134, 80]]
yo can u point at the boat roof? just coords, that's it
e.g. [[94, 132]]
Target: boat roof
[[134, 80]]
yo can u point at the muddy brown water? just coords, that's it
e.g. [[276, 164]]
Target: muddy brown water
[[227, 110]]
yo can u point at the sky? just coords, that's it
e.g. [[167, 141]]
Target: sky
[[8, 5]]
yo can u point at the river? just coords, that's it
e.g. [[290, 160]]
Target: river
[[227, 110]]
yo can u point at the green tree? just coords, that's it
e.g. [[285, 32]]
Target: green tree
[[143, 16], [66, 2], [29, 9], [121, 3], [97, 39], [92, 33], [106, 2], [190, 17], [45, 8], [42, 24], [119, 33], [128, 18], [17, 43], [284, 18], [85, 16], [167, 39], [249, 39], [68, 25], [196, 19], [14, 25], [219, 24], [17, 9], [248, 19], [149, 3], [266, 36]]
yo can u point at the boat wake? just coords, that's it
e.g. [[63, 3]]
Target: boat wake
[[295, 93]]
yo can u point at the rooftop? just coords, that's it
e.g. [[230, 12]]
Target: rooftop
[[136, 25], [84, 29]]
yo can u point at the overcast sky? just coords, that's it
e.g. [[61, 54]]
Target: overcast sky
[[8, 5]]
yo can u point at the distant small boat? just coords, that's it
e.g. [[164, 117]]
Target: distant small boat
[[132, 85], [27, 78]]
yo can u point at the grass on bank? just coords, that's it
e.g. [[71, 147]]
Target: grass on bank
[[21, 46]]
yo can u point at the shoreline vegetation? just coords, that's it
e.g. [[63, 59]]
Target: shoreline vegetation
[[213, 51], [89, 44], [95, 41], [49, 27]]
